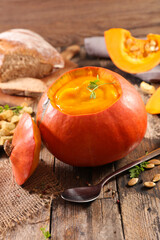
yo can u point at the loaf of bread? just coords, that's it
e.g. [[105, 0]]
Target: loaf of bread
[[24, 53], [30, 87]]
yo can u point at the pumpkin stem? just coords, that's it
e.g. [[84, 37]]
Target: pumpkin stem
[[8, 147]]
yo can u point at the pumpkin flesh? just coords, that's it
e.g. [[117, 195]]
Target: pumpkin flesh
[[153, 104]]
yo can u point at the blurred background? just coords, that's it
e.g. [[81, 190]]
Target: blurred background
[[64, 22]]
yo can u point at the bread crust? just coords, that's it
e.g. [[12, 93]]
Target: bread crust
[[25, 43], [30, 87]]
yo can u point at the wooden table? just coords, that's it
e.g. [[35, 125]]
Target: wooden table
[[120, 212]]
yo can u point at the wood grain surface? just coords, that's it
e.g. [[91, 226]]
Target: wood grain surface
[[67, 22], [120, 213]]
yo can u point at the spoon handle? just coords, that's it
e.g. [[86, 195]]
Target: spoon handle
[[150, 155]]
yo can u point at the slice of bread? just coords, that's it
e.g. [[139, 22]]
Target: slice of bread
[[30, 87], [24, 53]]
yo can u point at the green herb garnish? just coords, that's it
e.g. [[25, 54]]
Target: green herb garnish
[[45, 233], [93, 86], [15, 109], [136, 171]]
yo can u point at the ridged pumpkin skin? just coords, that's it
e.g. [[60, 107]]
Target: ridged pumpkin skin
[[26, 148], [94, 139]]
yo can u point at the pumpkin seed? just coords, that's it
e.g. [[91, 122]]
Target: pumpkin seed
[[154, 161], [152, 48], [149, 184], [147, 46], [149, 165], [129, 41], [147, 88], [132, 182], [153, 43], [156, 178], [134, 48]]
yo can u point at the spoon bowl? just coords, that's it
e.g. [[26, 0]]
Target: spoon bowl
[[88, 194], [82, 194]]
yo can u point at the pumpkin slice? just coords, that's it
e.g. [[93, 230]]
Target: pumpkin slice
[[153, 104], [130, 54], [25, 148]]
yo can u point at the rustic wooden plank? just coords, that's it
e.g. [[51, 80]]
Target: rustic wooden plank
[[69, 176], [140, 207], [66, 22], [110, 189], [99, 220], [31, 228]]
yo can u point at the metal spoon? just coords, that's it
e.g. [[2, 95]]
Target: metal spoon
[[88, 194]]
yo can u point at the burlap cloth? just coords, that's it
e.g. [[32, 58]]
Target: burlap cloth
[[17, 203]]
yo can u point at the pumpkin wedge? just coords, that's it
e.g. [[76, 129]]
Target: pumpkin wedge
[[130, 54], [25, 148], [153, 104]]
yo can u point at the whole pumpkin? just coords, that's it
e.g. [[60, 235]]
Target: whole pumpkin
[[95, 138]]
